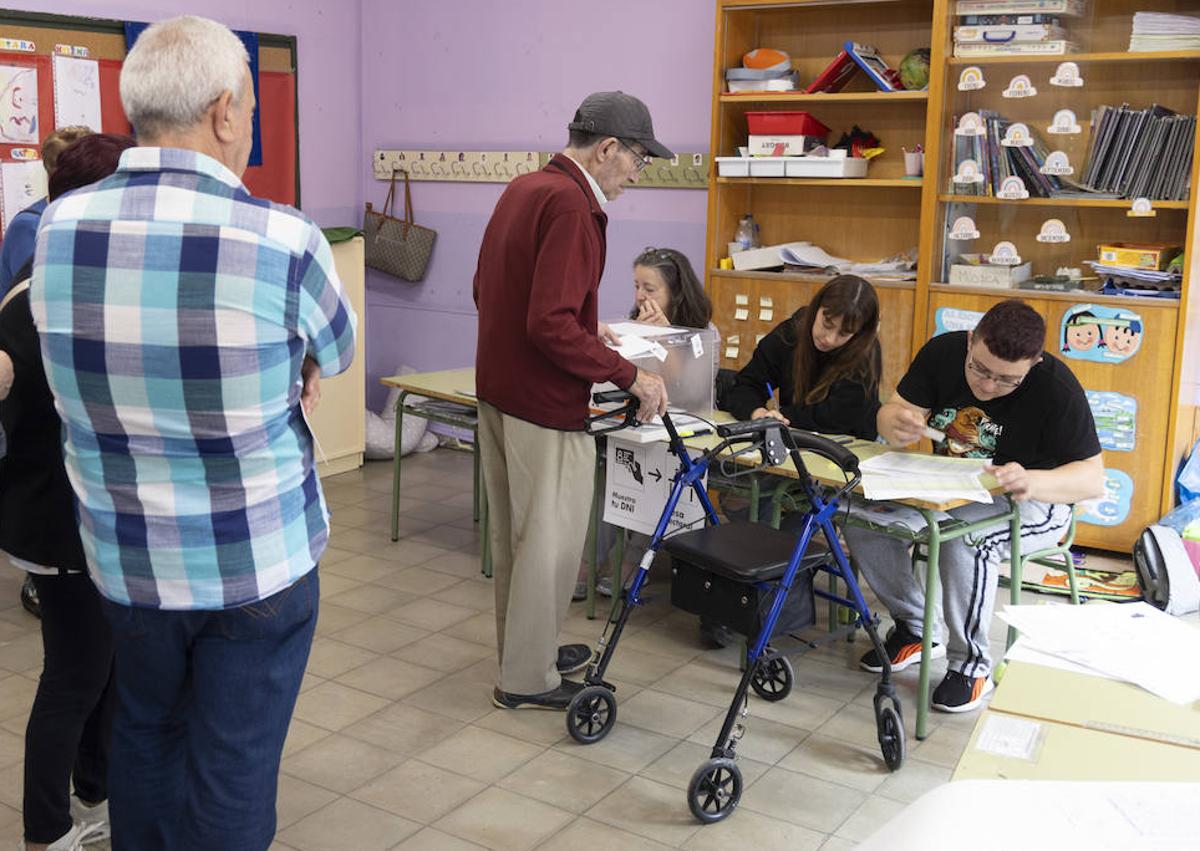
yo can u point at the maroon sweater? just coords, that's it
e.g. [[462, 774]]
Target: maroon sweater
[[535, 287]]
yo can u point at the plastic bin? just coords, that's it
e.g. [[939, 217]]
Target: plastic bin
[[785, 123], [733, 166]]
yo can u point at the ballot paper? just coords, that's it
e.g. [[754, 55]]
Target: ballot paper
[[934, 478], [1134, 642]]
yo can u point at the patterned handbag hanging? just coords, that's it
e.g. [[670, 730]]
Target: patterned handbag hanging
[[397, 246]]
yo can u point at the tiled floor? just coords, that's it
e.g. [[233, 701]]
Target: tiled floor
[[395, 742]]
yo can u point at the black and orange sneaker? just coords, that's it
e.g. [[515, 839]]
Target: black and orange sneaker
[[960, 693], [903, 647]]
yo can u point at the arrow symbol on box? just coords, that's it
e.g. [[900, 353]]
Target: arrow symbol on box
[[657, 474]]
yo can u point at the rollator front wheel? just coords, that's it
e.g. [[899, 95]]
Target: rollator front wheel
[[591, 715], [715, 790], [891, 736], [773, 679]]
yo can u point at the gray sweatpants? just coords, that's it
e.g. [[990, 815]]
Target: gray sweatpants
[[969, 572]]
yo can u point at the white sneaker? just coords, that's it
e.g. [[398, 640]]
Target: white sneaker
[[93, 819], [72, 840]]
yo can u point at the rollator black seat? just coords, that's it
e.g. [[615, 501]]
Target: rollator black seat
[[743, 552], [726, 573]]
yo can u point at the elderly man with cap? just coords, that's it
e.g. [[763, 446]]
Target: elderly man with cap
[[539, 353]]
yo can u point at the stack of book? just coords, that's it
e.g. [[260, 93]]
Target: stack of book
[[1140, 153], [998, 162], [1018, 27], [1157, 31]]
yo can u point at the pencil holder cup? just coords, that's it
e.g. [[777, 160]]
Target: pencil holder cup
[[914, 163]]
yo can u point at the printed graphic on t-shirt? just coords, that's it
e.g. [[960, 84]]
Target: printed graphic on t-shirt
[[970, 433]]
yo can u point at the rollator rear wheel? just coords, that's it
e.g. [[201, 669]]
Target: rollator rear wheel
[[773, 679], [715, 790], [591, 715], [891, 736]]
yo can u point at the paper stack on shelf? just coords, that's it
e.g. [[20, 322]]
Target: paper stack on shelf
[[1156, 31], [804, 256]]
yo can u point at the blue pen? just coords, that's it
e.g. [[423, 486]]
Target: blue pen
[[771, 394]]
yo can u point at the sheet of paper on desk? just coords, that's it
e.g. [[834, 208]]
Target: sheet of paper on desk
[[912, 475], [685, 425], [1134, 642], [1024, 651]]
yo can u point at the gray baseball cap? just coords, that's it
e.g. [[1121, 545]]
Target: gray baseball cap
[[621, 115]]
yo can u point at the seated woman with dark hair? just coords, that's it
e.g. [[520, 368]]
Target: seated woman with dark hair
[[68, 731]]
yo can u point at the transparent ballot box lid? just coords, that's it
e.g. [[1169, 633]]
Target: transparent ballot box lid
[[686, 358]]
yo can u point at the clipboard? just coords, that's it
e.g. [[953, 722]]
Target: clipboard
[[835, 76], [886, 78]]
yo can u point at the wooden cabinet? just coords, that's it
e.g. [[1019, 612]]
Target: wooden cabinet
[[885, 213], [864, 219], [339, 422]]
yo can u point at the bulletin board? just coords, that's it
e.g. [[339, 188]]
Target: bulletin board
[[278, 178]]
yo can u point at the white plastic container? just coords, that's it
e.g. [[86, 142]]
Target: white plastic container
[[768, 166], [837, 164], [733, 166]]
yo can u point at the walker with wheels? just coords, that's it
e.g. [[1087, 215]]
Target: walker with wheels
[[754, 579]]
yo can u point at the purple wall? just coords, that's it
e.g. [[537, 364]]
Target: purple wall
[[477, 75], [480, 75], [328, 37]]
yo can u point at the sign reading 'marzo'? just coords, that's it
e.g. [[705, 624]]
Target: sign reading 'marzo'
[[638, 480]]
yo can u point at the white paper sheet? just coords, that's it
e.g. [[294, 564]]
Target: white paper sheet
[[1003, 735], [76, 92], [1134, 642], [1024, 651], [18, 105], [23, 183], [911, 475]]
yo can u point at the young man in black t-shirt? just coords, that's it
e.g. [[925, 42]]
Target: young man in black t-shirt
[[995, 394]]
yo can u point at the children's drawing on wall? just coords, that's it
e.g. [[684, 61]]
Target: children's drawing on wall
[[76, 92], [1112, 508], [1116, 419], [18, 105], [1104, 334], [953, 319]]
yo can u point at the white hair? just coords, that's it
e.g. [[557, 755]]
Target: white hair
[[176, 69]]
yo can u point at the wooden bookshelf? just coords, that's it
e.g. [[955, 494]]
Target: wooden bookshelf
[[883, 214]]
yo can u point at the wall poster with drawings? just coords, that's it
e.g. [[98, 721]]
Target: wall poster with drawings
[[1104, 334], [18, 105], [77, 92]]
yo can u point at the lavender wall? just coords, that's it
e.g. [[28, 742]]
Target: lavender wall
[[481, 75], [328, 37], [477, 75]]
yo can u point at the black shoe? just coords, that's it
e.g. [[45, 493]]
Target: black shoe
[[960, 693], [558, 699], [29, 598], [573, 657], [717, 634], [903, 647]]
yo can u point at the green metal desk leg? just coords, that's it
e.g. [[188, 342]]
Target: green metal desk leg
[[475, 511], [1014, 594], [396, 466], [485, 555], [934, 544], [593, 537]]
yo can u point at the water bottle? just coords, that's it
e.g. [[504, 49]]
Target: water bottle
[[745, 233]]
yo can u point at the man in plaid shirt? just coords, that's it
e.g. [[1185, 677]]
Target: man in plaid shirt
[[184, 324]]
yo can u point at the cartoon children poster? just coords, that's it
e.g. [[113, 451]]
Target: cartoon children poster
[[1104, 334]]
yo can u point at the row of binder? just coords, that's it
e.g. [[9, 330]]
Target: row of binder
[[1140, 153]]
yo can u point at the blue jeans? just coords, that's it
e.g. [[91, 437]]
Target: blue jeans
[[204, 703]]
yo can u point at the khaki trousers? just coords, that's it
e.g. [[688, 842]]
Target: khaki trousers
[[539, 489]]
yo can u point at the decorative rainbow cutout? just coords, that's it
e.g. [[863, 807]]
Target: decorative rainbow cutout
[[1017, 136], [1020, 87], [1004, 254], [1057, 163], [1064, 124], [970, 125], [964, 229], [968, 172], [1013, 189], [1053, 230], [1067, 75], [971, 79], [1141, 207]]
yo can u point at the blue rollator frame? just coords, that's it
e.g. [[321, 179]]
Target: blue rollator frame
[[716, 786]]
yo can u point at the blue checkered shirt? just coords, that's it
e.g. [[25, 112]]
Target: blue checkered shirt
[[175, 311]]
